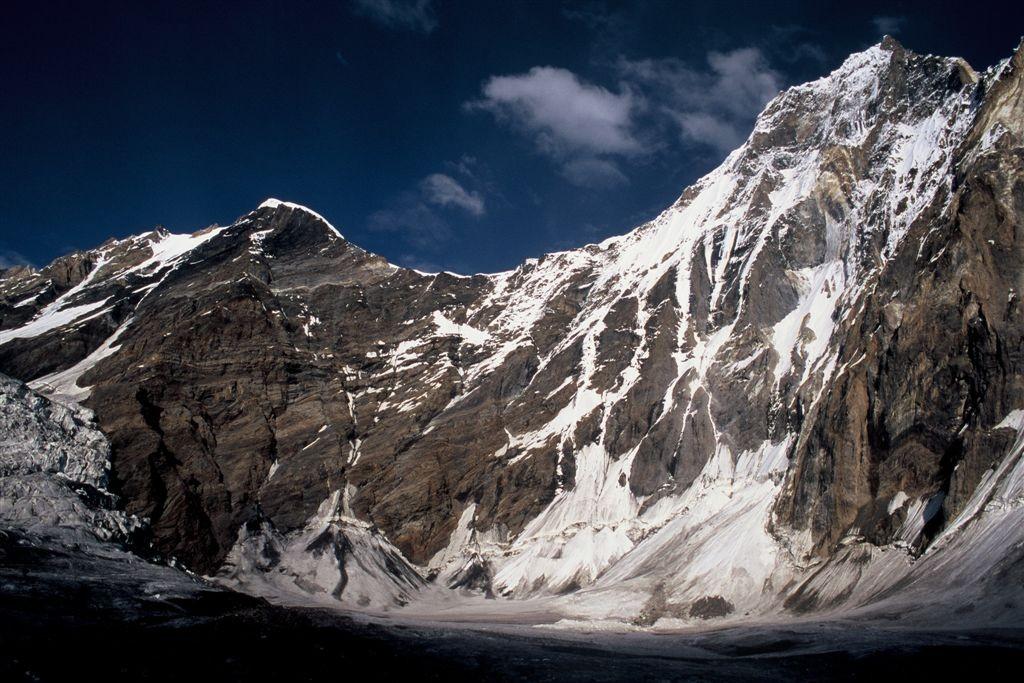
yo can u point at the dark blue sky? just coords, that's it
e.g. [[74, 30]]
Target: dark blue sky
[[462, 135]]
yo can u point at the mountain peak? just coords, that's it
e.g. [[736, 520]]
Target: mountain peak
[[891, 44], [277, 205]]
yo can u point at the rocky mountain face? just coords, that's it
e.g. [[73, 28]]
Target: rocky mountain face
[[797, 387]]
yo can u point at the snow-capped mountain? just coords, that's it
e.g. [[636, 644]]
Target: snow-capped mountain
[[798, 388]]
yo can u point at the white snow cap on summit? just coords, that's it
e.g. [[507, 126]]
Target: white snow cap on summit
[[272, 203]]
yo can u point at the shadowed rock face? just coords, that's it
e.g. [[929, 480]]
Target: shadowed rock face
[[843, 290], [251, 351]]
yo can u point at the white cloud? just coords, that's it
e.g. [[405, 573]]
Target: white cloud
[[416, 263], [566, 116], [715, 106], [443, 190], [886, 25], [594, 173], [589, 130], [408, 15], [10, 258], [415, 222], [707, 129], [579, 125], [414, 215], [742, 82]]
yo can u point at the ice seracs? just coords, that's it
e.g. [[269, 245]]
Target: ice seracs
[[54, 470]]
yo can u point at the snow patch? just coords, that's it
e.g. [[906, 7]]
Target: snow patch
[[446, 327]]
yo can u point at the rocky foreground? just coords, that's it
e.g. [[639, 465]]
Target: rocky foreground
[[71, 615]]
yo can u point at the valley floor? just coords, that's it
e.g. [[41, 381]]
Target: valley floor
[[67, 614]]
